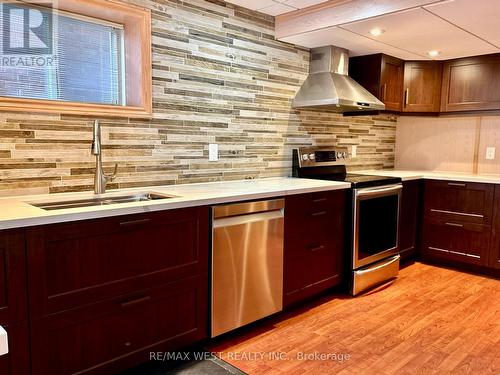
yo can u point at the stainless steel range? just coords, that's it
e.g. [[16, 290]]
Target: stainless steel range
[[375, 214]]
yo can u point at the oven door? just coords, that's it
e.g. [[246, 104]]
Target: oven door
[[376, 223]]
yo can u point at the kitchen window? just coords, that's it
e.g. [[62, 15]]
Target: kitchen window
[[85, 57], [87, 65]]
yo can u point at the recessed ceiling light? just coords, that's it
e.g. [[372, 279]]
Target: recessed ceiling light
[[376, 31], [434, 53]]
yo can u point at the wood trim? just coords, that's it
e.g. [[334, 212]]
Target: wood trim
[[136, 22], [338, 12]]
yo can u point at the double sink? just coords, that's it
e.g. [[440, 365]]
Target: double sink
[[100, 201]]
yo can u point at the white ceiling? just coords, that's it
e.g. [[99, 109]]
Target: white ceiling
[[456, 28], [275, 7]]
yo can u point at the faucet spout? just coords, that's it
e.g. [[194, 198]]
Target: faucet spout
[[96, 140], [100, 178]]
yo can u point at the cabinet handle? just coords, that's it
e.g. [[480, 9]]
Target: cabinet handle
[[407, 97], [135, 302], [316, 248], [319, 200], [456, 184], [320, 213], [384, 91], [134, 222], [454, 225]]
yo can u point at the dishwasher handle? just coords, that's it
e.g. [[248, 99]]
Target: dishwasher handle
[[244, 208], [249, 218]]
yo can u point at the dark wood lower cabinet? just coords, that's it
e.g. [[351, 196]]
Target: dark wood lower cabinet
[[409, 221], [13, 314], [116, 334], [314, 243], [494, 261], [460, 242], [17, 361], [104, 293]]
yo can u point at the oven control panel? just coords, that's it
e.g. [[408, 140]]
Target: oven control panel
[[320, 156]]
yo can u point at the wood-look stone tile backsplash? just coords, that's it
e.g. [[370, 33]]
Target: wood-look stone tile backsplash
[[219, 76]]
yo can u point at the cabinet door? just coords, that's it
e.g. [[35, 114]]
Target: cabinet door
[[494, 255], [113, 335], [471, 84], [13, 276], [17, 361], [391, 83], [314, 243], [78, 263], [409, 217], [422, 86]]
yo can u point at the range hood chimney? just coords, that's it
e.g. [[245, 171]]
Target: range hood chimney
[[329, 87]]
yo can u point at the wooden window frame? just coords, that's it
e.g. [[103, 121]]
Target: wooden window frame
[[136, 23]]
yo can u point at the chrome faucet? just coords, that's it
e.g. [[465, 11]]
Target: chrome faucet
[[100, 178]]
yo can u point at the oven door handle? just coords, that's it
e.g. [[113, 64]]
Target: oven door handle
[[371, 192], [380, 265]]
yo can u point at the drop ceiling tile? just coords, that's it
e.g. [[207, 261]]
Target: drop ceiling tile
[[419, 31], [356, 44], [276, 9], [478, 17], [253, 5], [300, 4]]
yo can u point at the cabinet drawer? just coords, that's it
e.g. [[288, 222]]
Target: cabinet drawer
[[311, 220], [77, 263], [464, 242], [459, 201], [116, 334]]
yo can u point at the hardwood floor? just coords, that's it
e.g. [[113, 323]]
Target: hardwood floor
[[430, 321]]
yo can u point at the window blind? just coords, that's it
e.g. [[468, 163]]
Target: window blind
[[86, 64]]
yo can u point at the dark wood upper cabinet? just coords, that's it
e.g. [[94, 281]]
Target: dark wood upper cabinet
[[471, 84], [422, 86], [381, 75]]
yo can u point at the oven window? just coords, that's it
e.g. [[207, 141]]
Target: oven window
[[378, 225]]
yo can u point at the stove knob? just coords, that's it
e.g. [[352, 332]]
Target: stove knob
[[339, 155], [312, 156], [345, 155], [305, 157]]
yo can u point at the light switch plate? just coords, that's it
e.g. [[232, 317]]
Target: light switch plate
[[4, 342], [490, 153], [354, 151], [213, 152]]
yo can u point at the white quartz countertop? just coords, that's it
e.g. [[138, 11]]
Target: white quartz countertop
[[16, 212], [450, 176]]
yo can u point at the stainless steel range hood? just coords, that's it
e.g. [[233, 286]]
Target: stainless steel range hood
[[329, 87]]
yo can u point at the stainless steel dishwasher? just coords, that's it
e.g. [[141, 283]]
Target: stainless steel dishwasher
[[247, 263]]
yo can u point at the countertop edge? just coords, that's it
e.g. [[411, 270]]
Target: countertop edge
[[145, 207]]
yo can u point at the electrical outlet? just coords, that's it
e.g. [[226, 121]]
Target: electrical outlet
[[490, 153], [213, 152]]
